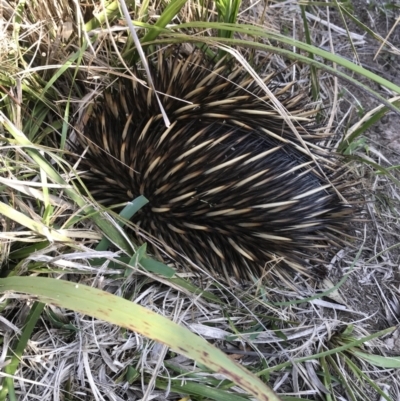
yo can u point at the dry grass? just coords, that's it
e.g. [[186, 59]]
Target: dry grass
[[297, 341]]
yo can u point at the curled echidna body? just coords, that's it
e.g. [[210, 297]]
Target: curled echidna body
[[230, 185]]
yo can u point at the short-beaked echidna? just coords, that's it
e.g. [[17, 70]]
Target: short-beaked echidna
[[230, 185]]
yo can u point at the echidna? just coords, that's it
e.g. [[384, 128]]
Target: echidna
[[230, 185]]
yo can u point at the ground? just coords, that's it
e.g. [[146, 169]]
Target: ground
[[80, 354]]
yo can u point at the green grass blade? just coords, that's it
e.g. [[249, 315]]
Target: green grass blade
[[255, 31], [16, 353], [106, 227], [227, 12], [38, 227], [102, 305], [336, 350], [386, 362], [126, 214], [110, 10], [156, 267], [343, 378], [364, 377], [166, 17], [371, 118], [200, 390]]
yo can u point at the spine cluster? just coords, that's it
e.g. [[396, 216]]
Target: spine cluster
[[232, 185]]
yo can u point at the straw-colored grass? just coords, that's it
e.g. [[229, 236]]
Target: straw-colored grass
[[86, 314]]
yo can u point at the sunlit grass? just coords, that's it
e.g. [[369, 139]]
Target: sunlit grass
[[67, 252]]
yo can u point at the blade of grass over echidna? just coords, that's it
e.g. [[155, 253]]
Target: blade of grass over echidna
[[17, 350], [150, 265], [126, 214], [258, 32], [158, 268], [153, 266], [139, 257], [102, 305], [306, 60]]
